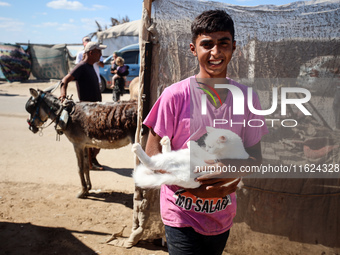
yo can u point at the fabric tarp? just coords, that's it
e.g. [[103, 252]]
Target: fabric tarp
[[119, 36], [49, 62], [15, 63], [275, 46]]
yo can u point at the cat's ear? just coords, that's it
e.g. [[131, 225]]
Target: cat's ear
[[209, 129], [222, 139]]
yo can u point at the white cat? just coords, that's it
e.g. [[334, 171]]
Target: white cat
[[179, 165]]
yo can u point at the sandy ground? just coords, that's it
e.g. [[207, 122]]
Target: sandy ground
[[39, 211]]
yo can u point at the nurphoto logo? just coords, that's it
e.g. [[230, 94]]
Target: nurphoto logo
[[239, 103]]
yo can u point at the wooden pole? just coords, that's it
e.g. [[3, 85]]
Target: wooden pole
[[145, 202], [147, 4]]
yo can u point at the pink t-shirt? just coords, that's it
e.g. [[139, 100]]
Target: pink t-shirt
[[177, 114]]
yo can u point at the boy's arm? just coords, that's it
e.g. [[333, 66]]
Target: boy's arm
[[211, 184], [153, 145]]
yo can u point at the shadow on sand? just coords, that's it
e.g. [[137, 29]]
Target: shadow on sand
[[112, 197], [25, 238], [127, 172]]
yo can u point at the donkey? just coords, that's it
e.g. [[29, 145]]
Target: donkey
[[100, 125]]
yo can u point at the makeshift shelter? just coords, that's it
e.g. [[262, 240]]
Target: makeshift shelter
[[119, 36], [15, 63], [50, 61], [274, 43]]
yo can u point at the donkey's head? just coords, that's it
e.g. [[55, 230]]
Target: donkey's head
[[41, 106]]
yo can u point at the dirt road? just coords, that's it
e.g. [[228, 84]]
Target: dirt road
[[39, 211]]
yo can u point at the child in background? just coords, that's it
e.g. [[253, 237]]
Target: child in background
[[122, 71]]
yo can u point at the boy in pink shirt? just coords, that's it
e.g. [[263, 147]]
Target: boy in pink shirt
[[197, 221]]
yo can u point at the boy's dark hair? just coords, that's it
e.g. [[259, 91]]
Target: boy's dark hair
[[212, 21]]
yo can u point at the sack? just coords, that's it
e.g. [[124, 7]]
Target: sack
[[123, 70]]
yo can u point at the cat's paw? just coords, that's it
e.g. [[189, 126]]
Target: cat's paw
[[135, 147], [240, 184], [165, 140]]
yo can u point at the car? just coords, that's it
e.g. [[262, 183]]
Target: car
[[131, 56]]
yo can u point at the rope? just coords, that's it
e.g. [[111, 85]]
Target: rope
[[291, 194]]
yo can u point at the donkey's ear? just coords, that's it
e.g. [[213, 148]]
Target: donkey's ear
[[34, 93]]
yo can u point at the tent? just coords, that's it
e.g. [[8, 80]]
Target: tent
[[275, 44], [15, 63], [50, 61], [119, 36]]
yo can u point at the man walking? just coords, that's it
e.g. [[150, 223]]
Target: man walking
[[87, 86]]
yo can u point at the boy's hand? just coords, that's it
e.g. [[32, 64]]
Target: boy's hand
[[212, 188], [212, 182], [160, 171]]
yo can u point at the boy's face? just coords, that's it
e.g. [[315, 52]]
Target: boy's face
[[214, 52]]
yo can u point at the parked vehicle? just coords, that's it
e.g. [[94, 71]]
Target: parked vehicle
[[131, 56]]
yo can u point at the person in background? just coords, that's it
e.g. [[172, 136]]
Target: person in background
[[80, 54], [96, 65], [113, 61], [119, 71], [114, 65], [87, 86]]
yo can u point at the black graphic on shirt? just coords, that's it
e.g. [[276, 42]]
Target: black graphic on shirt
[[188, 202]]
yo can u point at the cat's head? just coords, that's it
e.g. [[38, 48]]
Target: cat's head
[[219, 140]]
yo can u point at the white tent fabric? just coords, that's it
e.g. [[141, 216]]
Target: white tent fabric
[[266, 35], [119, 36]]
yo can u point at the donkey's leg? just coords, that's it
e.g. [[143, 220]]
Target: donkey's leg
[[80, 158], [87, 161], [89, 157], [144, 158]]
